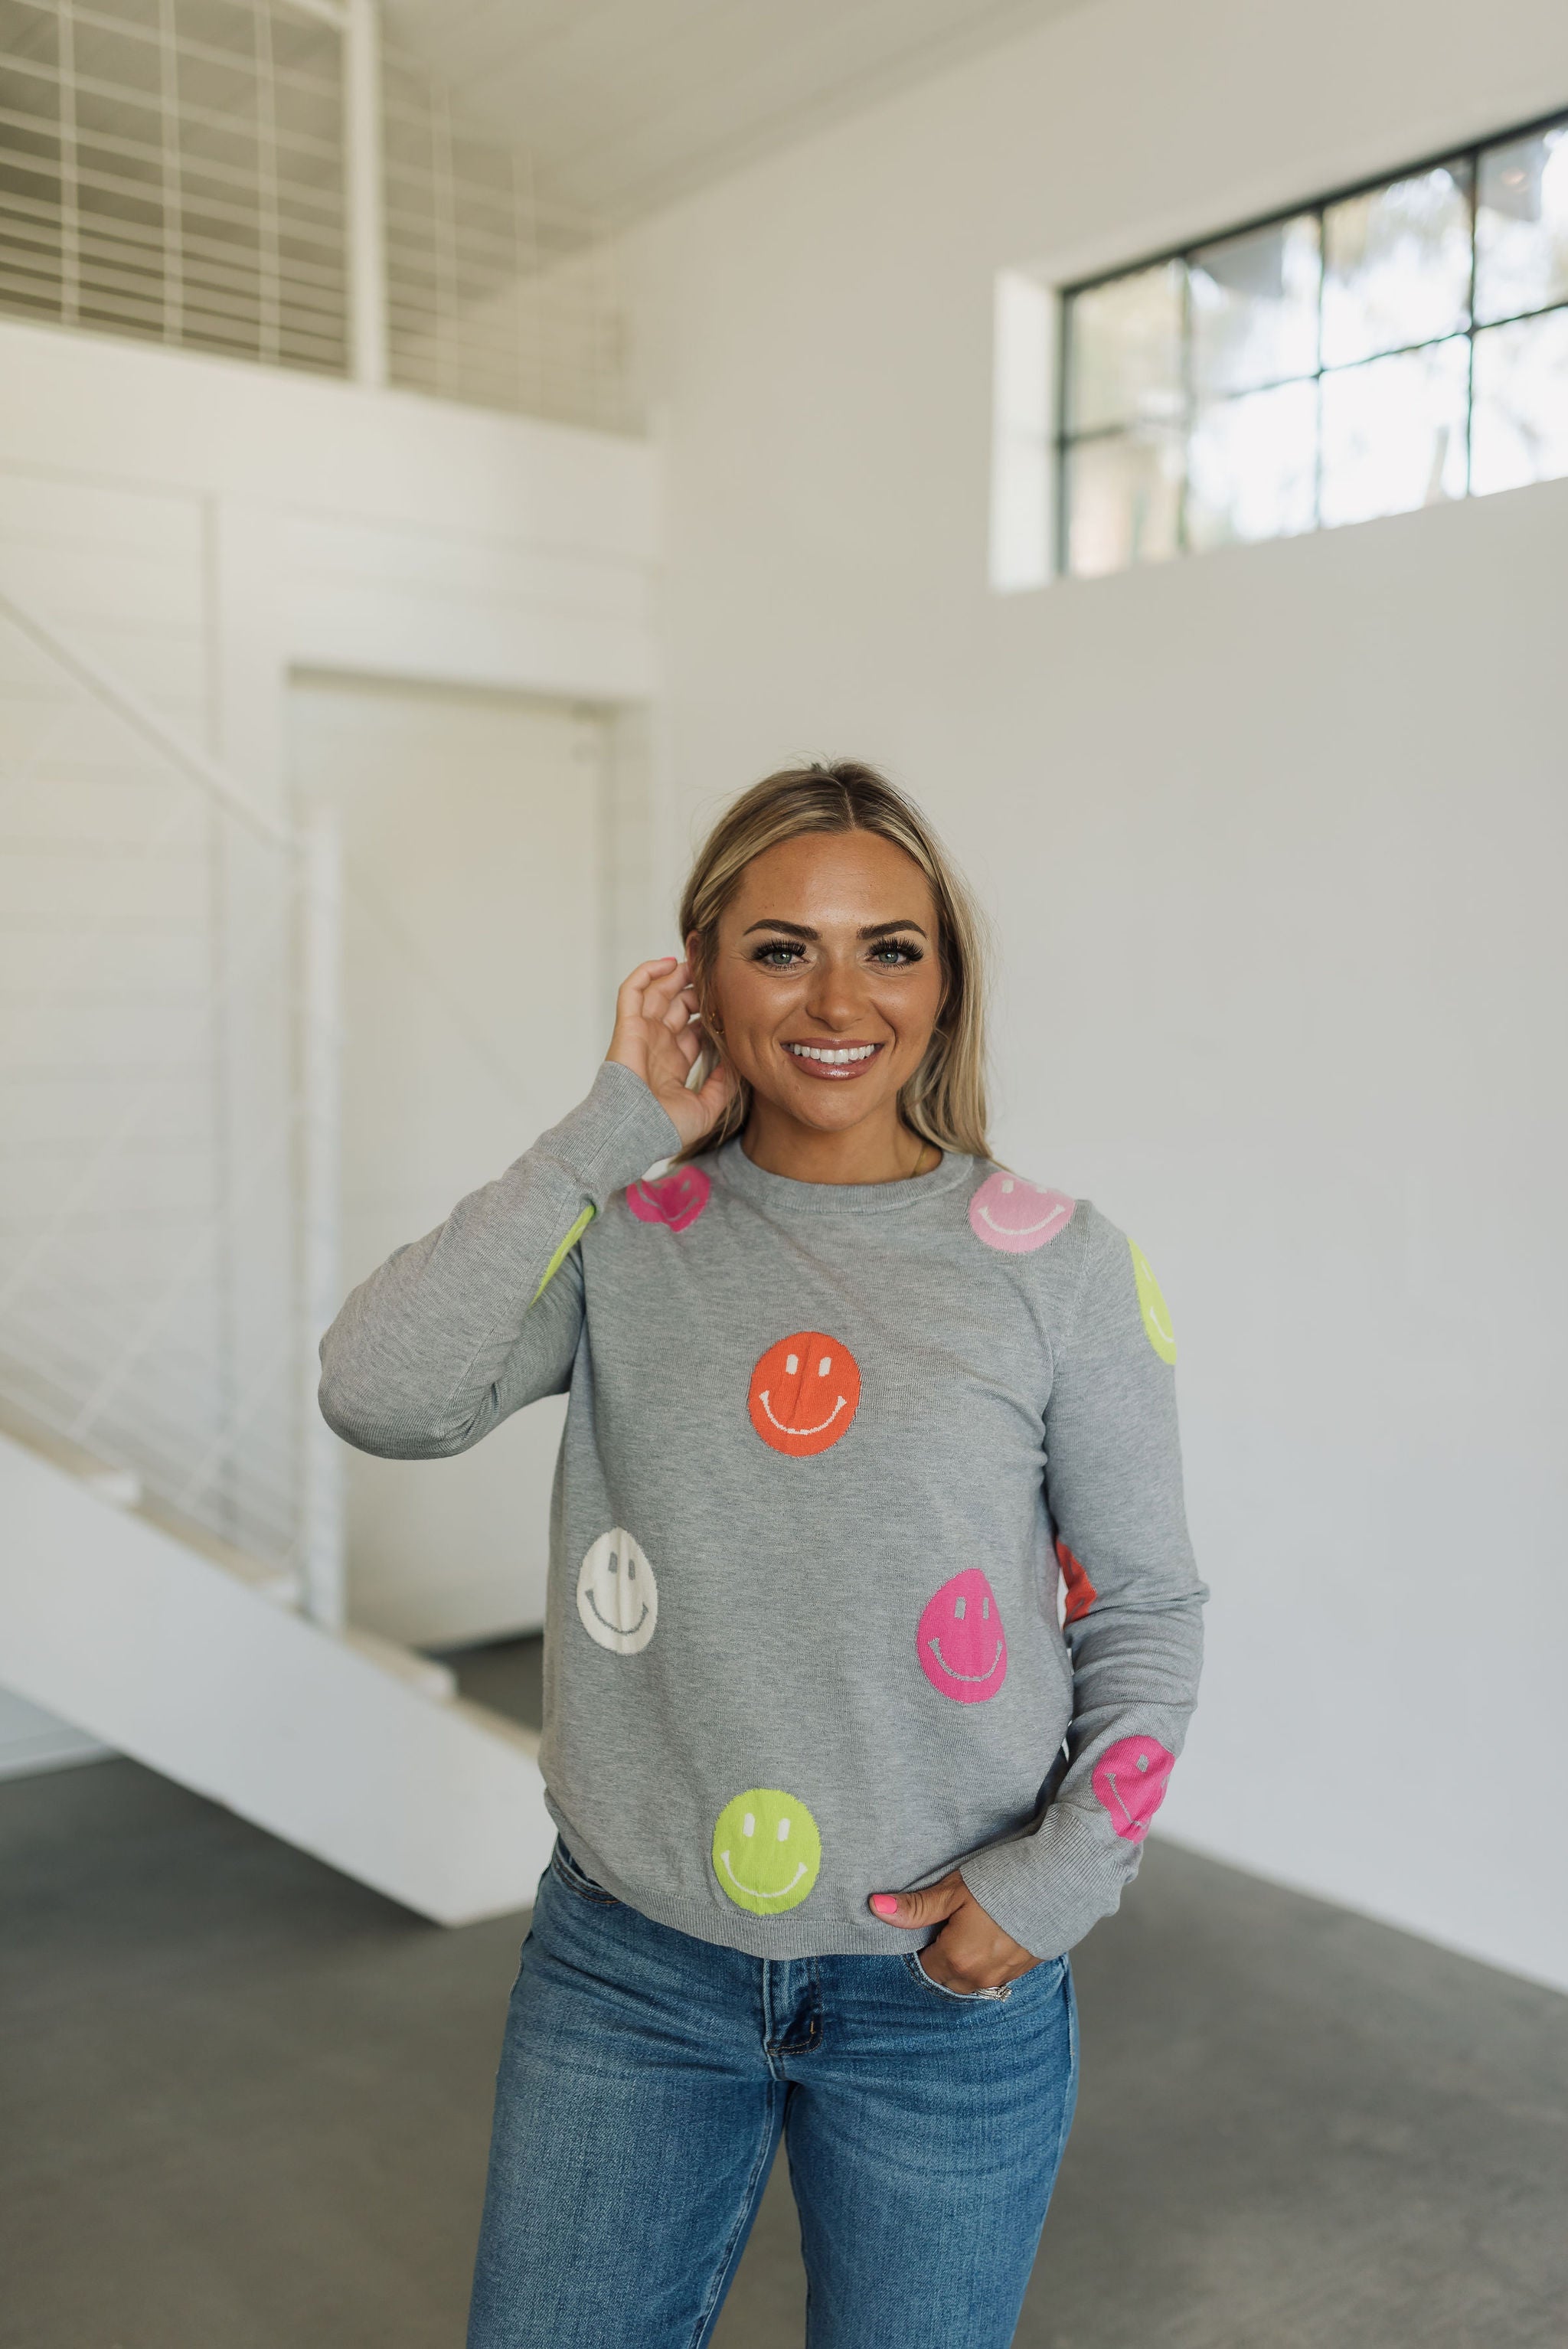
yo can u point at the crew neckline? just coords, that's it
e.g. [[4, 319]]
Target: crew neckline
[[739, 1174]]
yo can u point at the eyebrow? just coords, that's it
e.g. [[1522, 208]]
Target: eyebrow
[[800, 930]]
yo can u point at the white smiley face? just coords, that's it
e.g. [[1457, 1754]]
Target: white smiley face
[[617, 1597]]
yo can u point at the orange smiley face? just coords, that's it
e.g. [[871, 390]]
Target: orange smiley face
[[804, 1393]]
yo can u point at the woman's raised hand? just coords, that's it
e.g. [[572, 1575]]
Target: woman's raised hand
[[659, 1037]]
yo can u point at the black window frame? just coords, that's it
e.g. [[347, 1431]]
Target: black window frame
[[1467, 155]]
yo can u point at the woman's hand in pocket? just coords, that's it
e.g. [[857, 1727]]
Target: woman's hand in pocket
[[970, 1952], [659, 1037]]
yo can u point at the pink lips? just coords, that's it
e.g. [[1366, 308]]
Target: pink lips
[[834, 1070]]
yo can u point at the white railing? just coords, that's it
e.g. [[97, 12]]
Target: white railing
[[169, 1113], [262, 178]]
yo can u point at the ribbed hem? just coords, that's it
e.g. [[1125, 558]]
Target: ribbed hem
[[782, 1194]]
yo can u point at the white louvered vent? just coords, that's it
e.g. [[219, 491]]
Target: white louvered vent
[[172, 169], [494, 295], [175, 169]]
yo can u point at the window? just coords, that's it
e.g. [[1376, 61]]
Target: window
[[1390, 348]]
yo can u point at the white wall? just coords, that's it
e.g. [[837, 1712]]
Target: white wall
[[206, 528], [1275, 841]]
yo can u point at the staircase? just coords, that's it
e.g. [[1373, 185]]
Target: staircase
[[171, 1576]]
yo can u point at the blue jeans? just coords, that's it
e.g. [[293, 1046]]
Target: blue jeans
[[644, 2080]]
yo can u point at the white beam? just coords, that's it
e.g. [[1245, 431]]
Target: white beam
[[364, 198], [320, 990]]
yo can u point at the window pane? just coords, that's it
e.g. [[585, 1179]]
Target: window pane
[[1124, 342], [1394, 433], [1397, 266], [1521, 226], [1254, 307], [1124, 494], [1518, 431], [1252, 467]]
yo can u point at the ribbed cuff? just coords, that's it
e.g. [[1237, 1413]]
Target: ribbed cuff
[[613, 1135], [1047, 1888]]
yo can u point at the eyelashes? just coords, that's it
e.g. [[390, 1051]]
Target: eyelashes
[[785, 953]]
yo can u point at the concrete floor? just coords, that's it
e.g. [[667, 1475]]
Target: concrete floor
[[243, 2105]]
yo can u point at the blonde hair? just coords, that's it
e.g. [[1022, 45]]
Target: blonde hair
[[945, 1100]]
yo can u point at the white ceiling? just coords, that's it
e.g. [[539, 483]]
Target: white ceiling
[[624, 104]]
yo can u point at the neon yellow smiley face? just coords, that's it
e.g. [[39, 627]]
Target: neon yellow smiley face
[[1157, 1327], [766, 1850]]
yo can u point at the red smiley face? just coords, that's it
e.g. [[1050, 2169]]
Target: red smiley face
[[1079, 1593], [804, 1393]]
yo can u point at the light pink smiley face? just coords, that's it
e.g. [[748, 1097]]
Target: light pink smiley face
[[1131, 1778], [960, 1641], [1015, 1215], [677, 1199]]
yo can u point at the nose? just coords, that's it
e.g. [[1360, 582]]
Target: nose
[[837, 996]]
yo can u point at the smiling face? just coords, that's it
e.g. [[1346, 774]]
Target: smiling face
[[1157, 1327], [805, 1391], [766, 1850], [826, 979], [675, 1199], [960, 1641], [617, 1597], [1015, 1215], [1129, 1779]]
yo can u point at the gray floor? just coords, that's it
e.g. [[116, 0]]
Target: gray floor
[[243, 2105]]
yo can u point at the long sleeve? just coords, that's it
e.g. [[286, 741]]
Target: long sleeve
[[460, 1329], [1134, 1625]]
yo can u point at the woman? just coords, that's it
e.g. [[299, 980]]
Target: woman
[[849, 1403]]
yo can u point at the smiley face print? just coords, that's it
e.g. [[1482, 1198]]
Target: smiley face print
[[960, 1641], [766, 1850], [804, 1393], [675, 1199], [1129, 1779], [1009, 1213], [617, 1597], [1078, 1593], [1157, 1327]]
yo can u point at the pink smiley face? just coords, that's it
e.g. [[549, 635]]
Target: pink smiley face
[[677, 1199], [1131, 1778], [960, 1641], [1015, 1215]]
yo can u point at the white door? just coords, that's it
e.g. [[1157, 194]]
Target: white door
[[469, 824]]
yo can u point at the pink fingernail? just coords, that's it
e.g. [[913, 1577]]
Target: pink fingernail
[[885, 1904]]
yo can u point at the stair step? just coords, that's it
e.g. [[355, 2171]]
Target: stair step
[[152, 1640], [422, 1672]]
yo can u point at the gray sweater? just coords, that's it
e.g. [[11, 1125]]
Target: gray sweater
[[838, 1458]]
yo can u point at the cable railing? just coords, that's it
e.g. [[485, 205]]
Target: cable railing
[[168, 1109]]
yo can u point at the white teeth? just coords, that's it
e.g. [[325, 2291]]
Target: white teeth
[[832, 1059]]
